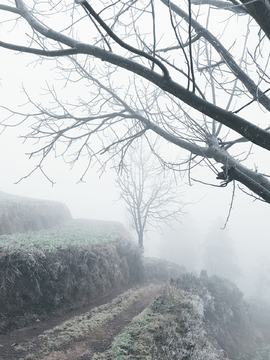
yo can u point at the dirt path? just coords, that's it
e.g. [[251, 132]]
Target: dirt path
[[80, 334]]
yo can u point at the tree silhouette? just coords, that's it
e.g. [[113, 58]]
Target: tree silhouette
[[151, 195]]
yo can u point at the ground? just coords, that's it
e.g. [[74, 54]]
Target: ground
[[80, 333]]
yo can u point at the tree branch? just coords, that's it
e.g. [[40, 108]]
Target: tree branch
[[47, 53], [225, 55]]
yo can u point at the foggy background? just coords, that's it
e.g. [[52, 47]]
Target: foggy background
[[245, 240]]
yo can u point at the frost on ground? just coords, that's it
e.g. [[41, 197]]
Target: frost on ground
[[172, 327], [78, 337], [192, 318], [189, 318]]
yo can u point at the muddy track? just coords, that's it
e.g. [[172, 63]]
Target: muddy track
[[81, 333]]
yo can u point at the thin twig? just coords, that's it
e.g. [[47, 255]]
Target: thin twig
[[231, 207]]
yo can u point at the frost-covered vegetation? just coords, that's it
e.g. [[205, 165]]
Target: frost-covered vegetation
[[20, 214], [79, 327], [192, 318], [76, 260], [226, 314], [167, 330], [80, 260], [157, 269], [76, 233], [51, 269]]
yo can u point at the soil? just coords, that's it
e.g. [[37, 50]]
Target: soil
[[96, 342]]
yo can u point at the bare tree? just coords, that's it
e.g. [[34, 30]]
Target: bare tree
[[166, 69], [151, 194]]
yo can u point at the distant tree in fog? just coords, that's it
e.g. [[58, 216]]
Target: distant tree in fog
[[150, 192], [219, 254]]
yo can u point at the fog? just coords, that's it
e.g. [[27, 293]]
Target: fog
[[207, 208], [97, 198]]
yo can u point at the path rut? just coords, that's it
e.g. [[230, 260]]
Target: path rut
[[95, 341]]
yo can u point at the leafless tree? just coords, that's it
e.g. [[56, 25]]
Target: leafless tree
[[219, 254], [151, 194], [195, 74]]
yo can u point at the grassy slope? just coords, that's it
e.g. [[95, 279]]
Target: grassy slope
[[20, 214], [76, 233]]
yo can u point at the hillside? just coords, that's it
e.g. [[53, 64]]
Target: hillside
[[68, 265], [20, 214], [77, 261], [188, 318], [82, 290]]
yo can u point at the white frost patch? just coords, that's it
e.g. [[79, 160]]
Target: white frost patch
[[198, 306]]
